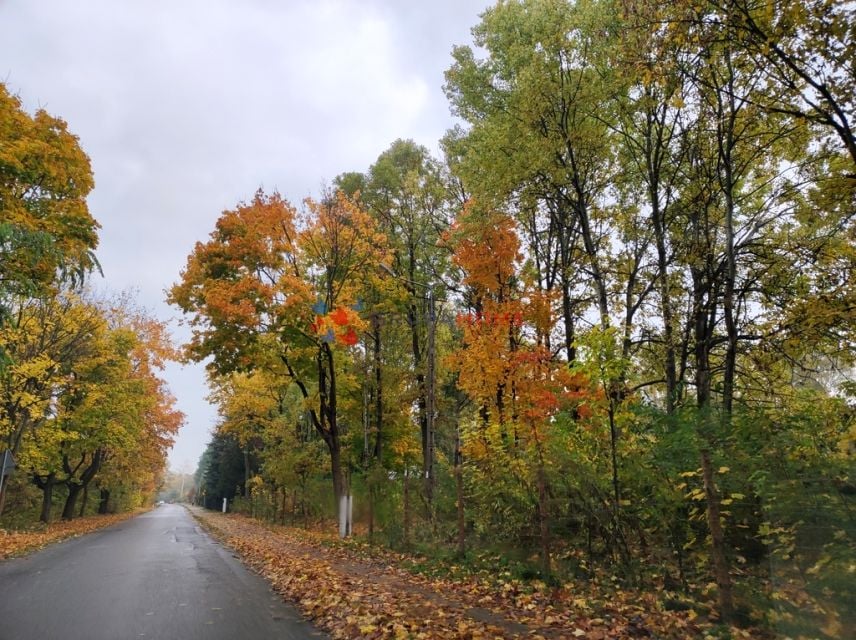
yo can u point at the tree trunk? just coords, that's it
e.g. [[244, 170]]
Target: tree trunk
[[74, 490], [378, 399], [726, 141], [719, 560], [670, 361], [428, 452], [459, 488], [371, 493], [406, 500], [568, 317], [104, 502], [4, 482], [420, 365], [337, 471], [84, 501], [613, 449], [704, 314], [543, 519], [47, 486], [246, 489]]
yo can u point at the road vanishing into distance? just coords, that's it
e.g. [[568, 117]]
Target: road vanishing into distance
[[158, 575]]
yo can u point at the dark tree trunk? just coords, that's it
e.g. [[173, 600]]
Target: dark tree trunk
[[378, 398], [704, 315], [74, 490], [47, 485], [406, 505], [246, 489], [670, 362], [337, 471], [459, 488], [84, 501], [104, 502], [75, 487], [420, 366], [543, 518]]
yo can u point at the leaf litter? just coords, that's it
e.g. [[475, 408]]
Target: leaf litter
[[354, 590]]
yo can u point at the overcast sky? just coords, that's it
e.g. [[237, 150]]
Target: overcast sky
[[186, 107]]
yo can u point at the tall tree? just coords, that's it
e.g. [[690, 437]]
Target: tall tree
[[46, 230], [405, 192], [514, 381], [262, 289]]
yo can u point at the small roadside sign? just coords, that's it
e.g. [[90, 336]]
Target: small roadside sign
[[7, 464]]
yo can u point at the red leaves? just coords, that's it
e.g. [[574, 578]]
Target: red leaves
[[349, 338], [337, 326], [340, 316]]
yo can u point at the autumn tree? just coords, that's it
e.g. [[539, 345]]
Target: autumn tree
[[538, 141], [662, 186], [802, 51], [144, 419], [269, 285], [46, 339], [504, 365], [405, 192], [46, 231]]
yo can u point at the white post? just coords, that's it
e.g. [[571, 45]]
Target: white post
[[343, 515], [225, 504], [350, 515]]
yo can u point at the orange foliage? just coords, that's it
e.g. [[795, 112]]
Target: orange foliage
[[486, 248], [503, 365], [244, 279], [340, 316]]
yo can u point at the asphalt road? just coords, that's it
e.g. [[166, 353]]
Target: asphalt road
[[155, 576]]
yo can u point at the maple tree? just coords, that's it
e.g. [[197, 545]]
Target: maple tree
[[46, 231], [504, 366], [270, 287], [45, 340]]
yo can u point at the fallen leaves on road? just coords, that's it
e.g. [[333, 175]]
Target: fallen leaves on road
[[354, 590], [14, 543]]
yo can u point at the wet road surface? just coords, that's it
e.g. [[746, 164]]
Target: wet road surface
[[158, 575]]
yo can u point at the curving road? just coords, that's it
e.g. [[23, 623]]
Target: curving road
[[155, 576]]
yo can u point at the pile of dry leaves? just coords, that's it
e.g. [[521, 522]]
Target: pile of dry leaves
[[13, 543], [355, 591]]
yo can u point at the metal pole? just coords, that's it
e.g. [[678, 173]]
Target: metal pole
[[2, 472], [2, 481], [430, 401]]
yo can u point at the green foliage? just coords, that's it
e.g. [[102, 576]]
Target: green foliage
[[644, 227], [46, 232]]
